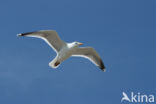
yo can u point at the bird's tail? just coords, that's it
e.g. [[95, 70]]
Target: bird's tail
[[54, 63]]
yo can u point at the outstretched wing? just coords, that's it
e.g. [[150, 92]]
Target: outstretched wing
[[50, 36], [91, 54]]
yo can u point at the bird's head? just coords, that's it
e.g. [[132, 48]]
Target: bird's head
[[74, 44], [77, 44]]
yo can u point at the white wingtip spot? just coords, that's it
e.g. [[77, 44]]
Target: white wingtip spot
[[19, 34], [104, 70]]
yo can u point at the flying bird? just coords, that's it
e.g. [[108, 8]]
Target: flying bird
[[65, 50]]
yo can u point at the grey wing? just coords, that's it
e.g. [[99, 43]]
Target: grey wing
[[90, 54], [50, 36]]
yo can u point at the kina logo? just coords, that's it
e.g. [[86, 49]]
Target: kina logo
[[137, 97]]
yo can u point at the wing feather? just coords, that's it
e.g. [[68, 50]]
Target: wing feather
[[91, 54], [50, 36]]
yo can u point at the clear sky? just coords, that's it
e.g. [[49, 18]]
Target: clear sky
[[122, 31]]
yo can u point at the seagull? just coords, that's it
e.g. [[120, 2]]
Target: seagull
[[65, 50]]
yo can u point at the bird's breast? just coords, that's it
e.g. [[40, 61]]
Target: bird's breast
[[64, 54]]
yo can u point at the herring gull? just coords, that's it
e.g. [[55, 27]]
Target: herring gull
[[65, 50]]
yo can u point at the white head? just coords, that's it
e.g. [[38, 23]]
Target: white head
[[76, 44]]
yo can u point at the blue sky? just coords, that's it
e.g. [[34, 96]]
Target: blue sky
[[122, 31]]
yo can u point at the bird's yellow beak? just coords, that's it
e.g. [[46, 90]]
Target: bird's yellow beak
[[80, 43]]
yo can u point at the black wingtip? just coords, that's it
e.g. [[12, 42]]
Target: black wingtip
[[24, 34], [102, 67]]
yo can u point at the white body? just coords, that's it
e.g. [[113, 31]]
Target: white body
[[63, 54]]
